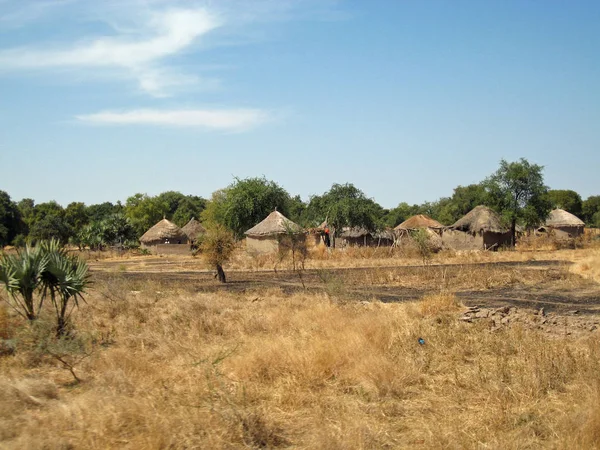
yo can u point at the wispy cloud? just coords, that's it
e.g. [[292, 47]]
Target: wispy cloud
[[139, 53], [211, 119]]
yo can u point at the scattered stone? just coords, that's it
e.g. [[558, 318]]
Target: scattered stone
[[483, 314], [542, 312]]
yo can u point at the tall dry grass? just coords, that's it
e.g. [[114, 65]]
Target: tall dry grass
[[170, 369]]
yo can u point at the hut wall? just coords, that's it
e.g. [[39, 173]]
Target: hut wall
[[314, 240], [567, 232], [172, 249], [260, 245], [460, 240], [496, 240]]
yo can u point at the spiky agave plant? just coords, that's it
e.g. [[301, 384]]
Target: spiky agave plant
[[22, 276], [65, 280]]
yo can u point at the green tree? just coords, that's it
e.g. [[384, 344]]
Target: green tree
[[144, 211], [217, 246], [517, 191], [399, 214], [344, 205], [566, 199], [27, 210], [50, 227], [10, 220], [591, 207], [190, 206], [463, 200], [97, 213], [76, 215], [246, 202]]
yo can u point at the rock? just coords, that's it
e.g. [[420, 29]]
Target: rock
[[593, 327], [541, 312], [503, 310], [483, 314], [466, 319], [505, 321]]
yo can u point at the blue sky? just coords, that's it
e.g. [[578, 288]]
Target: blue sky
[[405, 99]]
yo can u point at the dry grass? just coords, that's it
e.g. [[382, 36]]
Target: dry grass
[[170, 369]]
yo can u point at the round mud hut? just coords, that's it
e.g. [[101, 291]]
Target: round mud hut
[[162, 235], [271, 234], [480, 229], [193, 229], [563, 225]]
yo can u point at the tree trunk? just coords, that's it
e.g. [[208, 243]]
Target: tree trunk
[[221, 274], [513, 232]]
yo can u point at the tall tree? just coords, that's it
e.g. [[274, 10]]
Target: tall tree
[[76, 215], [189, 206], [517, 191], [344, 205], [246, 202], [566, 199], [10, 219], [144, 211], [590, 209]]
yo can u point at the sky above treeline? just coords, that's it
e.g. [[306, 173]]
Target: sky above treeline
[[405, 99]]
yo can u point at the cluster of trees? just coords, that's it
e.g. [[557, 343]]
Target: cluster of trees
[[516, 190]]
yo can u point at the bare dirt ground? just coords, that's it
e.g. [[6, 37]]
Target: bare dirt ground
[[536, 283]]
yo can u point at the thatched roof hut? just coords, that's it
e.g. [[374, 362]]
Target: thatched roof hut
[[480, 219], [193, 229], [419, 221], [164, 232], [275, 223], [559, 218], [480, 229], [272, 234], [563, 224]]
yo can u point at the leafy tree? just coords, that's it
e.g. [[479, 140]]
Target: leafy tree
[[10, 219], [344, 205], [296, 209], [114, 229], [50, 227], [27, 210], [76, 215], [171, 199], [246, 202], [217, 246], [463, 200], [189, 206], [399, 214], [97, 213], [566, 199], [144, 211], [591, 207], [517, 191]]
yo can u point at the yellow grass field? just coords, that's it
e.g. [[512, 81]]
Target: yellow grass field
[[162, 356]]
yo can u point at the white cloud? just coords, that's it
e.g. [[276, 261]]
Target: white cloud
[[212, 119], [137, 52]]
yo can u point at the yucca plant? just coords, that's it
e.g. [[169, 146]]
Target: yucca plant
[[22, 276], [64, 280]]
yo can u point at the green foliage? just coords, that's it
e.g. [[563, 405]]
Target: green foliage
[[22, 275], [76, 215], [463, 200], [344, 206], [566, 199], [114, 229], [97, 213], [10, 219], [27, 210], [246, 202], [399, 214], [189, 207], [517, 191], [590, 210], [51, 226], [46, 270], [144, 211]]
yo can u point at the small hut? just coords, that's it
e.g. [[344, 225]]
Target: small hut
[[361, 237], [193, 229], [563, 225], [480, 228], [165, 237], [419, 221], [268, 235]]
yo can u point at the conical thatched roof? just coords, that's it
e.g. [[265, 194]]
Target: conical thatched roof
[[480, 219], [562, 218], [419, 221], [275, 223], [193, 228], [164, 229]]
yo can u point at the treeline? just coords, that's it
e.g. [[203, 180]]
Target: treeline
[[516, 190]]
